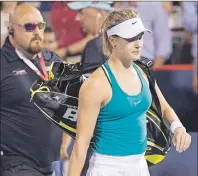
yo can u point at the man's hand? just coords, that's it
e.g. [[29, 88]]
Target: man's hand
[[66, 141], [181, 139], [159, 61], [61, 52], [195, 86], [63, 152]]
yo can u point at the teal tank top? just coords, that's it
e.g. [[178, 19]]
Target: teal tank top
[[121, 124]]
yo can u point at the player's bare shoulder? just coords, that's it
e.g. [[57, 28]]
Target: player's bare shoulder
[[97, 84], [97, 78]]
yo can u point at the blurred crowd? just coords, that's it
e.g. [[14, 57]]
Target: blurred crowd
[[173, 25]]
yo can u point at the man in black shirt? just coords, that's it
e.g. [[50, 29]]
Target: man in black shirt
[[93, 52], [27, 138]]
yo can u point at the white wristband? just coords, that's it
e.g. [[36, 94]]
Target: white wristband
[[176, 124]]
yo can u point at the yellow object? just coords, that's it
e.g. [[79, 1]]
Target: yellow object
[[154, 159], [51, 74], [155, 145], [67, 127]]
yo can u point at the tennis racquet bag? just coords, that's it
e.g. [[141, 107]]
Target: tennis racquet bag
[[57, 100]]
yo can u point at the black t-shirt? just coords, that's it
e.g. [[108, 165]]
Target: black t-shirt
[[93, 53], [26, 136]]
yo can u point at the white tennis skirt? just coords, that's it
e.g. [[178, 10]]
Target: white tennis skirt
[[104, 165]]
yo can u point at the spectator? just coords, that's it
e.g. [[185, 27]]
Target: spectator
[[28, 140], [6, 8], [190, 22], [195, 78], [93, 52], [67, 28], [50, 39], [91, 17], [167, 5], [157, 46], [190, 15]]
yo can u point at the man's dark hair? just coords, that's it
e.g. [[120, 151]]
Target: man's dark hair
[[50, 30]]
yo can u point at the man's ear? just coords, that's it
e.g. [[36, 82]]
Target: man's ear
[[10, 30]]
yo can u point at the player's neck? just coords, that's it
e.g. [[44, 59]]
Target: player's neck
[[120, 65]]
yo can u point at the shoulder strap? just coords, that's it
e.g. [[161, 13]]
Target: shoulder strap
[[106, 73], [146, 66]]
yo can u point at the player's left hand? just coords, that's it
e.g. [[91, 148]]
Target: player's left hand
[[181, 139]]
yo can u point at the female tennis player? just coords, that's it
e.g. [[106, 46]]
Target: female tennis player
[[113, 103]]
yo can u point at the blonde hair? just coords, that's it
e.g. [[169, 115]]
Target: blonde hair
[[113, 18]]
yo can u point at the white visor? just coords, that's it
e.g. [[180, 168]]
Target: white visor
[[128, 29]]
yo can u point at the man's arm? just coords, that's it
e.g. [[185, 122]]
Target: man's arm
[[76, 48], [162, 35], [66, 142], [190, 15], [195, 76], [190, 10]]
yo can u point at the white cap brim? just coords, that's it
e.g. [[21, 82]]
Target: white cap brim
[[128, 29]]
